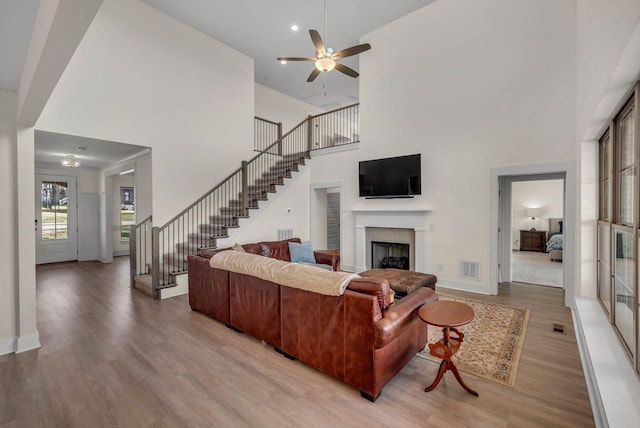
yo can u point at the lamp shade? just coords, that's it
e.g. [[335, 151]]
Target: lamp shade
[[533, 212]]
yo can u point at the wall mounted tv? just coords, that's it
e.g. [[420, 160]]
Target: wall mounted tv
[[397, 177]]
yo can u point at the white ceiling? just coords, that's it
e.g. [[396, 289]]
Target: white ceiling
[[50, 148], [258, 28]]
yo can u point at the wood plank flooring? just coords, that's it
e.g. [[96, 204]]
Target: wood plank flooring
[[111, 356]]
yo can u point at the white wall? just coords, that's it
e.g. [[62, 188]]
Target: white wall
[[141, 77], [8, 251], [544, 194], [87, 179], [144, 186], [277, 107], [482, 84], [603, 31]]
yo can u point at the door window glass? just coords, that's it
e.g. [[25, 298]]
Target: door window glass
[[53, 210]]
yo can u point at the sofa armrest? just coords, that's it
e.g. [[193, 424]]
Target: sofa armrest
[[378, 287], [398, 317], [327, 258]]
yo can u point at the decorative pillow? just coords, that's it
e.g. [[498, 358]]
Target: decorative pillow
[[301, 253], [560, 222], [238, 247]]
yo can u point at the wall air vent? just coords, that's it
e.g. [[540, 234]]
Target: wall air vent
[[469, 269], [285, 234]]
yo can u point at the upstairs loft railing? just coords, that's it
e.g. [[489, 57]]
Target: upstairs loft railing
[[210, 217], [265, 132]]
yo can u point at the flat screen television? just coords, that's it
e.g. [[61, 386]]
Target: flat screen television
[[397, 177]]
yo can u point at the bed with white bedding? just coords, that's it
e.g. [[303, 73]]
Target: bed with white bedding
[[555, 242]]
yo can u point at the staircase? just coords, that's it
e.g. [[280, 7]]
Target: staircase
[[159, 254]]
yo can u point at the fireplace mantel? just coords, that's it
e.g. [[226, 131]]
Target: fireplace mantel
[[402, 219]]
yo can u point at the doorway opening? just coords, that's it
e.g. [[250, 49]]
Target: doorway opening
[[326, 216], [502, 226], [537, 220]]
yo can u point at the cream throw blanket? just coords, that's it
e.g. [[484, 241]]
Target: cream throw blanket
[[294, 275]]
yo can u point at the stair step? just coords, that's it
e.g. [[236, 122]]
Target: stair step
[[277, 173], [283, 168], [269, 180], [144, 283], [174, 262], [251, 203], [203, 237], [234, 211], [268, 188], [193, 247], [219, 221]]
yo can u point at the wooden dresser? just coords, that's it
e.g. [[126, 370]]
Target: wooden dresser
[[533, 240]]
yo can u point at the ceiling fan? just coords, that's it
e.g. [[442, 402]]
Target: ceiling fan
[[326, 59]]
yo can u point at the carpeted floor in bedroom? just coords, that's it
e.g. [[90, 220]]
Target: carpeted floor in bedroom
[[535, 268]]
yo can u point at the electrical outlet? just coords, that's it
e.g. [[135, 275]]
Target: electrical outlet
[[440, 268], [432, 227]]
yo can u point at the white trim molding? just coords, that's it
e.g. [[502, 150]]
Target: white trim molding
[[7, 345], [28, 343], [402, 219]]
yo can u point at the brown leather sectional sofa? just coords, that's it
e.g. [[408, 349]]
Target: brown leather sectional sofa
[[358, 337]]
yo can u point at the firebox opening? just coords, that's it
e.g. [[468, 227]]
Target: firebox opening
[[389, 255]]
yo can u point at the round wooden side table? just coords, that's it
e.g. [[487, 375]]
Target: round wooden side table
[[448, 315]]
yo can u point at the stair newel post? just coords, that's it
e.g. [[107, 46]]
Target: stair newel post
[[133, 255], [155, 261], [309, 133], [245, 184], [280, 138]]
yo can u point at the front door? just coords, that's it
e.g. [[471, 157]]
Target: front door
[[56, 219]]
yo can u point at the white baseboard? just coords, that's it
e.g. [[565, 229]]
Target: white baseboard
[[348, 268], [28, 343], [7, 345], [120, 253], [473, 287], [589, 375]]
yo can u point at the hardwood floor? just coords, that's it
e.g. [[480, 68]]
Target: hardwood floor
[[111, 356]]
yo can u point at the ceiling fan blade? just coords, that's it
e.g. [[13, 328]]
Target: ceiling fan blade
[[346, 70], [317, 42], [353, 50], [295, 59], [313, 75]]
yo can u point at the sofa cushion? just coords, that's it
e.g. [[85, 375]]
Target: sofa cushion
[[276, 249], [301, 253]]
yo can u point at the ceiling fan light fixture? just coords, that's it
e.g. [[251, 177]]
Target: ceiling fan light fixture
[[325, 64]]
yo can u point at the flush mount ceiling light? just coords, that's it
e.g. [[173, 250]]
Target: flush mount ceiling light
[[70, 161]]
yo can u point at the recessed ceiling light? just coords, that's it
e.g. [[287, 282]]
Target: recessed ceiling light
[[294, 27], [283, 62]]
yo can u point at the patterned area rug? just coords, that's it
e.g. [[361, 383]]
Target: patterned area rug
[[492, 341]]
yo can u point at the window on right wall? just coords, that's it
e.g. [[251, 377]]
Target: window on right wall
[[618, 225]]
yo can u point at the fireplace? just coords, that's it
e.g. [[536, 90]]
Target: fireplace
[[389, 255], [414, 223]]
